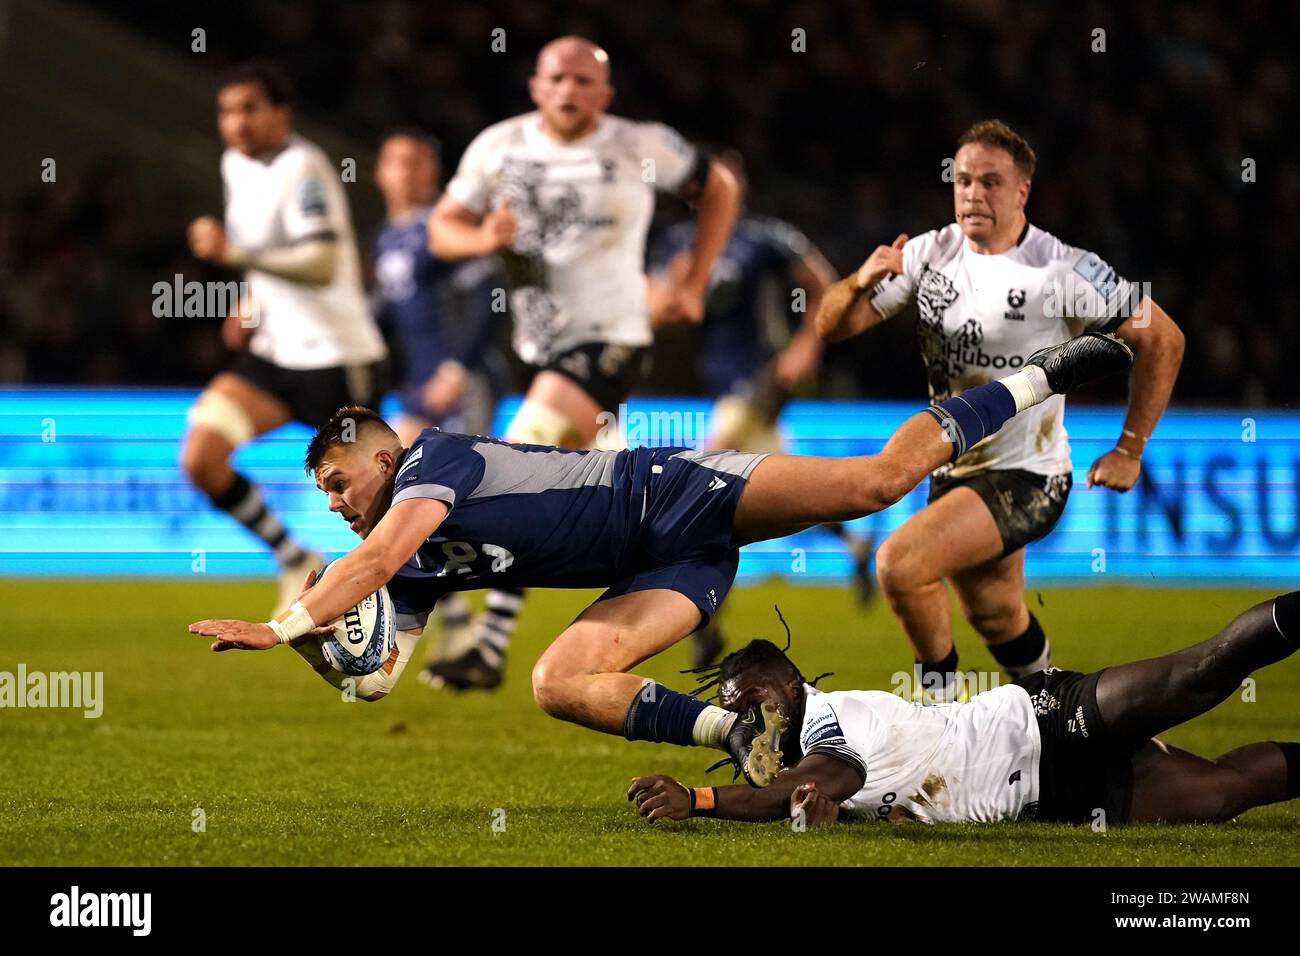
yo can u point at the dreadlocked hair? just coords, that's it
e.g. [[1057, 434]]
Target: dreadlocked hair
[[757, 653]]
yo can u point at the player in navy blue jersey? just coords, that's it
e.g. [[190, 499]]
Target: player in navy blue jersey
[[659, 528], [440, 316], [758, 341]]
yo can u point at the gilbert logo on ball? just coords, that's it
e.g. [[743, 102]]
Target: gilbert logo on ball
[[363, 637]]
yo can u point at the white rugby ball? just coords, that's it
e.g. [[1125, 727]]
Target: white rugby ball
[[363, 637]]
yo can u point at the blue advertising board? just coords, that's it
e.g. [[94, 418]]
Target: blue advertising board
[[89, 485]]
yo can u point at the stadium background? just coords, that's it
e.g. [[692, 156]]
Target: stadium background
[[1141, 152]]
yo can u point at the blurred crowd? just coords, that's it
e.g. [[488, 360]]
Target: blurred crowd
[[1160, 130]]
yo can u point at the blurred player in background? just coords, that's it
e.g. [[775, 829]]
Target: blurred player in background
[[991, 289], [439, 315], [749, 359], [565, 195], [305, 341]]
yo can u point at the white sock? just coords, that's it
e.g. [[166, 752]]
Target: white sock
[[712, 726], [1028, 387]]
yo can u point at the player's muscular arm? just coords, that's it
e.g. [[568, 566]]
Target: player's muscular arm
[[716, 206], [798, 361], [311, 261], [659, 797], [359, 573], [370, 565], [1157, 345], [457, 232], [846, 310]]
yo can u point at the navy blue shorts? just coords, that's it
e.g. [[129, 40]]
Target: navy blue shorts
[[684, 540]]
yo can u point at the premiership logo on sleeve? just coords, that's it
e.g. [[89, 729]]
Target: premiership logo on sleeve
[[406, 465], [823, 727], [1098, 274], [311, 198]]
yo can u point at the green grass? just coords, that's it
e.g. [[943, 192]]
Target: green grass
[[287, 773]]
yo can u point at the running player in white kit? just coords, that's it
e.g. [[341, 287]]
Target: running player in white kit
[[305, 344], [991, 289], [1055, 745], [565, 194]]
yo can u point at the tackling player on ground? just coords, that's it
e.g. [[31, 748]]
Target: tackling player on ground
[[991, 289], [565, 195], [660, 528], [1052, 746], [305, 343], [441, 315]]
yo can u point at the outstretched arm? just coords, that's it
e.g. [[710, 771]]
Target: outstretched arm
[[360, 572], [1157, 344], [846, 309], [660, 797]]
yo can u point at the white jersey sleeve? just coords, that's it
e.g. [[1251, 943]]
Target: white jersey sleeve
[[473, 183], [1090, 292], [823, 730], [664, 150], [306, 206], [892, 294]]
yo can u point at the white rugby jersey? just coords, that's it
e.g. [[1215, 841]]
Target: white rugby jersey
[[577, 265], [938, 763], [295, 196], [981, 316]]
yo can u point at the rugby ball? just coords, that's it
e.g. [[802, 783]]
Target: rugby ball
[[363, 637]]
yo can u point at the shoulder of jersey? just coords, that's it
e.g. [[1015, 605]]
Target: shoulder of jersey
[[936, 247], [302, 154], [503, 131], [1041, 248]]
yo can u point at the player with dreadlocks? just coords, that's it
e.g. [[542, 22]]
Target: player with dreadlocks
[[1054, 746]]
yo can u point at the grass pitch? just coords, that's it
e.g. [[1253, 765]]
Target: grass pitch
[[281, 771]]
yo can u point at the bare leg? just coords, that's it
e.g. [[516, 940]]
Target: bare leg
[[992, 597], [1146, 698], [582, 677], [563, 395], [205, 457], [1177, 786], [941, 539], [788, 493]]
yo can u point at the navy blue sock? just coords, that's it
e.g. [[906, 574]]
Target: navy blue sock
[[663, 716], [974, 414]]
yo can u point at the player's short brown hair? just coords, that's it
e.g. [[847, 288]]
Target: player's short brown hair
[[994, 132], [344, 426]]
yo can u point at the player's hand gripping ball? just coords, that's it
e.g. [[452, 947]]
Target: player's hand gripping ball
[[363, 637]]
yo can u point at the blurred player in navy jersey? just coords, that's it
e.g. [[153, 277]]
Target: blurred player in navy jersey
[[305, 342], [564, 195], [749, 358], [439, 316]]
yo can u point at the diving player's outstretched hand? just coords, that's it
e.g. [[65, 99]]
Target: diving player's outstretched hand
[[886, 260], [660, 798], [236, 635]]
